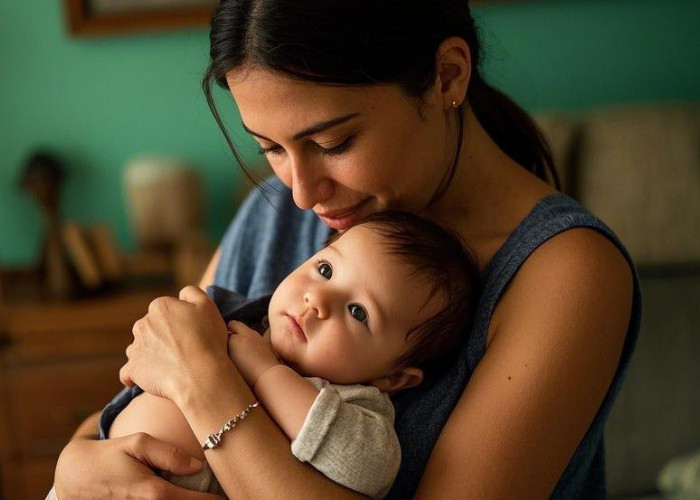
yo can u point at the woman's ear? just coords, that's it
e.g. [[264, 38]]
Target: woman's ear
[[403, 378], [454, 67]]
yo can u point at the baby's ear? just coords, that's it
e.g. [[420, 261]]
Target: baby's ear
[[403, 378]]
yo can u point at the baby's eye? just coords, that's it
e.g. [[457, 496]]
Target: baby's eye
[[325, 269], [358, 312]]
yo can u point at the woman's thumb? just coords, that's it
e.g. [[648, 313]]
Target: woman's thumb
[[163, 456], [193, 295]]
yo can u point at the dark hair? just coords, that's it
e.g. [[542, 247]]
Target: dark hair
[[366, 42], [450, 270]]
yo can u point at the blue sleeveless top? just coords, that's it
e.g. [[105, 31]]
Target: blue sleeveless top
[[270, 237]]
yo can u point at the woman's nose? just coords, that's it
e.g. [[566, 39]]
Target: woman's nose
[[318, 303], [310, 184]]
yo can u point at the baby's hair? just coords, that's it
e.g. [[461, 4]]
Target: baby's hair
[[450, 269]]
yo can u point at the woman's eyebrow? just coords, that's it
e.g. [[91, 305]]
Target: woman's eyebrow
[[313, 129]]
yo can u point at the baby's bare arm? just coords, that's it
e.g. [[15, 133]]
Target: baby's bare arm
[[287, 397]]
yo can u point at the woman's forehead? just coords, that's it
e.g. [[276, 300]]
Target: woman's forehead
[[268, 83], [261, 95]]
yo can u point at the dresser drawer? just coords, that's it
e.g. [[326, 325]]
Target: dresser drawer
[[59, 363], [35, 479], [45, 403]]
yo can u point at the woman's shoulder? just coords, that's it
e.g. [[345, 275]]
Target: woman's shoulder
[[561, 227], [565, 265], [560, 234], [579, 268], [553, 342], [565, 254]]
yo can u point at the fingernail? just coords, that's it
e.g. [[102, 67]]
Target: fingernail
[[195, 463]]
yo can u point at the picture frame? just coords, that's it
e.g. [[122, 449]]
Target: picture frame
[[94, 18]]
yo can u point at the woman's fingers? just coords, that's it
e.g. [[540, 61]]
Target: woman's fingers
[[177, 339], [125, 375], [166, 457], [119, 468], [160, 455]]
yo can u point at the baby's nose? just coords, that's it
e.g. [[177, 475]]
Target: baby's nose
[[317, 302]]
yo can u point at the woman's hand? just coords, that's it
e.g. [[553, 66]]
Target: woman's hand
[[251, 352], [119, 468], [176, 343]]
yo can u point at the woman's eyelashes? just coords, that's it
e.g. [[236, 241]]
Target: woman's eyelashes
[[338, 149], [272, 150], [333, 151]]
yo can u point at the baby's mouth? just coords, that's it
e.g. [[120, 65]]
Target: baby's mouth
[[296, 327]]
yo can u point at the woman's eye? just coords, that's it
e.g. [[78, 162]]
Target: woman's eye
[[358, 312], [272, 150], [325, 269], [339, 149]]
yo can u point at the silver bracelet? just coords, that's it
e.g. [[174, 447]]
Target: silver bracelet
[[214, 440]]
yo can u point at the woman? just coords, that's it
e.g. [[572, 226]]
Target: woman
[[365, 106]]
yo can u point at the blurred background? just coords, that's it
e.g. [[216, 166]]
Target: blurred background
[[98, 102]]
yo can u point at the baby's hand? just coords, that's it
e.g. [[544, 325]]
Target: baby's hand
[[250, 352]]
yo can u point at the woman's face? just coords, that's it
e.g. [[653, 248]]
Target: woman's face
[[345, 152]]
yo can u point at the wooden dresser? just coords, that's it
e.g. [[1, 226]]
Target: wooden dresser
[[59, 363]]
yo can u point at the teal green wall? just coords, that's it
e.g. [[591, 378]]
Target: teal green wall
[[96, 103]]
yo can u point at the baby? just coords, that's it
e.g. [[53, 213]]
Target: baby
[[383, 305]]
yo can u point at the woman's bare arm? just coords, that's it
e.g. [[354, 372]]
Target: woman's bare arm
[[88, 429], [122, 468], [553, 347], [260, 464], [210, 271], [254, 460], [92, 469], [266, 459], [180, 352], [263, 465]]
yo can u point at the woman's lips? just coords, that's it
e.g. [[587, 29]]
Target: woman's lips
[[296, 328], [343, 219]]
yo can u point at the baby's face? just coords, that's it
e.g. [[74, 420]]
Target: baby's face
[[343, 315]]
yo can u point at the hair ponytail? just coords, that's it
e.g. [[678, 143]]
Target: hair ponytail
[[513, 130]]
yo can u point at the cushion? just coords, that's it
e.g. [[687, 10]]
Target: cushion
[[657, 413], [680, 477], [561, 132], [638, 169]]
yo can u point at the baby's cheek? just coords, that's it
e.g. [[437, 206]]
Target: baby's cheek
[[337, 363]]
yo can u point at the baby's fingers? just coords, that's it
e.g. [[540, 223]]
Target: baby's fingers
[[236, 327]]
